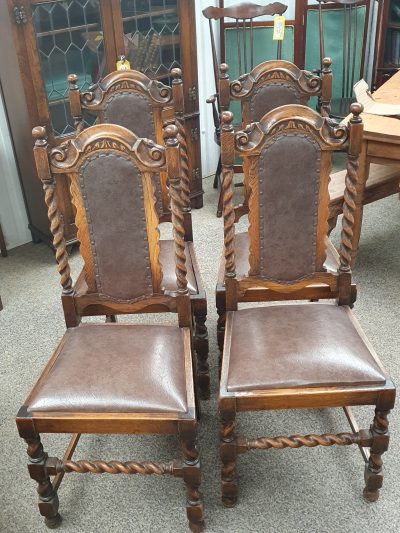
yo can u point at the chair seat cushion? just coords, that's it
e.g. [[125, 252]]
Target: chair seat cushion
[[241, 245], [111, 368], [167, 260], [300, 345]]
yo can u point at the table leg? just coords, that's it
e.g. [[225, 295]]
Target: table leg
[[362, 174]]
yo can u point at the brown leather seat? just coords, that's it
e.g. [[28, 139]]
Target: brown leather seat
[[241, 245], [119, 368], [167, 260], [291, 346]]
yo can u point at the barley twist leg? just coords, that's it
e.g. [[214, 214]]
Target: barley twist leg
[[228, 453], [192, 478], [373, 469], [48, 498]]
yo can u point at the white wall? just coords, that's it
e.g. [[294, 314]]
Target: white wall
[[209, 149], [13, 218]]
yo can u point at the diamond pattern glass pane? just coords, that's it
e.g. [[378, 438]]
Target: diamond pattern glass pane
[[69, 41], [151, 35]]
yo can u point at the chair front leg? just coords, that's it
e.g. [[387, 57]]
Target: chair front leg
[[380, 443], [191, 475], [201, 347], [48, 498], [228, 453]]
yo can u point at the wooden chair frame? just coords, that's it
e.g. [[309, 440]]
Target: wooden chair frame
[[150, 159], [249, 144], [167, 104]]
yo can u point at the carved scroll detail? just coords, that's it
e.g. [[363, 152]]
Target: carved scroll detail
[[298, 441], [303, 120], [117, 467]]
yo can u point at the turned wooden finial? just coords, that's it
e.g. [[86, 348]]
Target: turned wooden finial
[[39, 135], [72, 80], [223, 70], [356, 109], [326, 64], [176, 74], [226, 120], [177, 92], [170, 135]]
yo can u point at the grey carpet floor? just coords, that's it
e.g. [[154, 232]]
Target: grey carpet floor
[[304, 490]]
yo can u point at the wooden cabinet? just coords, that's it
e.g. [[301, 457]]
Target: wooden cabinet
[[387, 47], [42, 41]]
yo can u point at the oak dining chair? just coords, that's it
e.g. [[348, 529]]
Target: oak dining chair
[[106, 378], [295, 355], [130, 99]]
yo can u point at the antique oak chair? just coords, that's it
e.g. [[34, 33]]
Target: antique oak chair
[[270, 85], [295, 356], [131, 99], [243, 14], [152, 389]]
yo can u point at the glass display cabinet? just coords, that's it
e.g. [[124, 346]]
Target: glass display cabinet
[[53, 38]]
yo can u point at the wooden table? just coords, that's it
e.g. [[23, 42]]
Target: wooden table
[[381, 145]]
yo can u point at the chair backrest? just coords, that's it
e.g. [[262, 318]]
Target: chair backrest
[[111, 173], [272, 84], [347, 31], [244, 15], [286, 162], [130, 99]]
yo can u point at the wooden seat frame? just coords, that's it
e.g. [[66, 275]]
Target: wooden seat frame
[[150, 159], [296, 120], [167, 105]]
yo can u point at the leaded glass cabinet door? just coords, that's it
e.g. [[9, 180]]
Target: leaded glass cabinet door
[[156, 36], [151, 36], [64, 37]]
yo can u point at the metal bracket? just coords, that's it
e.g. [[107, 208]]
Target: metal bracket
[[20, 15], [195, 174], [194, 134], [192, 93]]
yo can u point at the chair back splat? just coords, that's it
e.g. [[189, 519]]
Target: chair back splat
[[111, 174], [130, 99], [286, 162]]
